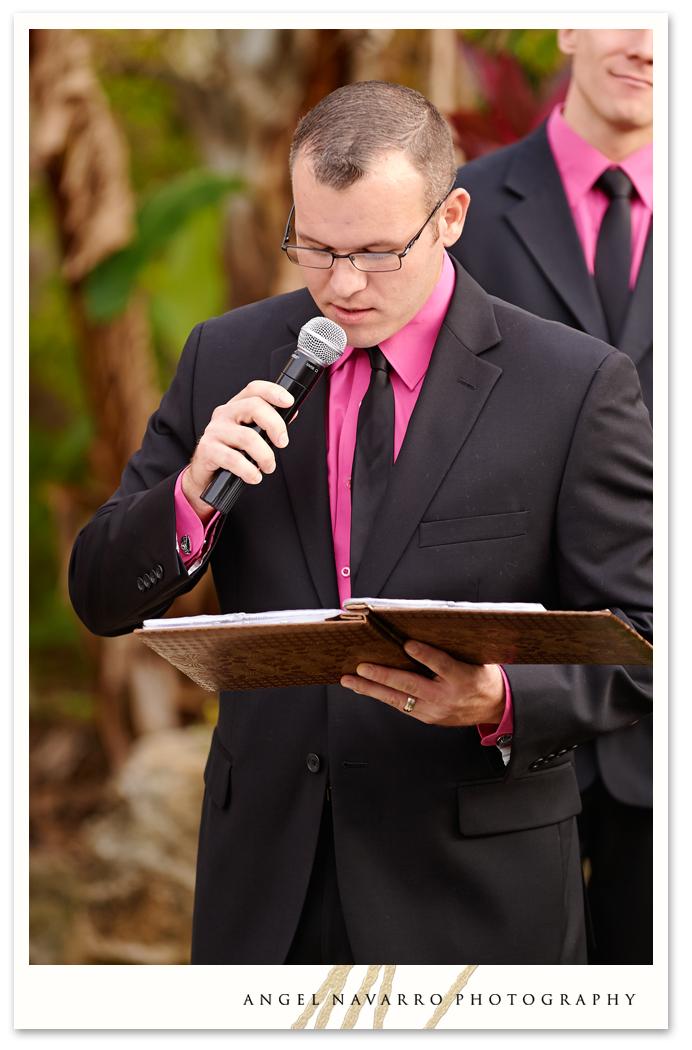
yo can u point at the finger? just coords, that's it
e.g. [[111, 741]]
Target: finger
[[270, 392], [407, 682], [255, 410], [437, 660], [389, 696], [223, 446]]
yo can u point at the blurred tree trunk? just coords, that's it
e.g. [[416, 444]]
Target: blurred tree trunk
[[78, 144]]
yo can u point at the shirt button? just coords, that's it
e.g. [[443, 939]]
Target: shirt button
[[345, 571], [348, 482], [313, 763]]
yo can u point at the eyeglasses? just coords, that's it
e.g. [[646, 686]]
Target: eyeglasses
[[371, 262]]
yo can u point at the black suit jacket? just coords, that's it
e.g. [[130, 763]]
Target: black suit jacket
[[520, 243], [524, 476]]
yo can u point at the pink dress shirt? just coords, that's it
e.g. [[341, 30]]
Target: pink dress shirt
[[408, 352], [580, 164]]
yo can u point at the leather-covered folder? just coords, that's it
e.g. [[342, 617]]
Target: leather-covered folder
[[237, 655]]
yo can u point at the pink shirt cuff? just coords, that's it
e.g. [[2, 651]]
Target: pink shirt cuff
[[190, 532], [490, 734]]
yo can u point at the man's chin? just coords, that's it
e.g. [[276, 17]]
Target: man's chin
[[362, 327]]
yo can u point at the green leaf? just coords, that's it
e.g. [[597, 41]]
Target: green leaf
[[109, 285]]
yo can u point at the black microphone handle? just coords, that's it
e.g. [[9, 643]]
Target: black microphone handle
[[225, 487]]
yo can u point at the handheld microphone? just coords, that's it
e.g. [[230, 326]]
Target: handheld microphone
[[321, 342]]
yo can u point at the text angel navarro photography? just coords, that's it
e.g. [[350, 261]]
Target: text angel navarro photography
[[413, 998]]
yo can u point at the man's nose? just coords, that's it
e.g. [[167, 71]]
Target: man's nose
[[346, 280], [641, 45]]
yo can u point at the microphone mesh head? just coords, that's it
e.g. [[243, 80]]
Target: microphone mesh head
[[323, 338]]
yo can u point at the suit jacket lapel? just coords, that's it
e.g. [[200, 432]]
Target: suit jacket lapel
[[454, 391], [304, 464], [638, 333], [542, 220]]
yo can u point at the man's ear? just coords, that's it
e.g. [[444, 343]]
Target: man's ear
[[567, 40], [453, 216]]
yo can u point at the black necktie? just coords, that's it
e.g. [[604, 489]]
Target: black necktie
[[374, 453], [614, 251]]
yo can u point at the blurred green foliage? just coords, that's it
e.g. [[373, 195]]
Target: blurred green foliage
[[134, 72], [186, 285], [60, 428], [108, 287], [535, 49]]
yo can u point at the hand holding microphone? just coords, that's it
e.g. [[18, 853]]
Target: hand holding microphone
[[234, 449]]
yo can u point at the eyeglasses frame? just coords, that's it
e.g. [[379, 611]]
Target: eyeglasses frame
[[399, 255]]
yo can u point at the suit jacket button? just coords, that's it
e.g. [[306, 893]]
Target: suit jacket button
[[313, 763], [140, 583], [159, 572]]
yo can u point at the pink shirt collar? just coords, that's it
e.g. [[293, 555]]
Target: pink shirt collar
[[580, 163], [409, 350]]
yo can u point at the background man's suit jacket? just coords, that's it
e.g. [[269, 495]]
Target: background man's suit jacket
[[520, 243], [524, 476]]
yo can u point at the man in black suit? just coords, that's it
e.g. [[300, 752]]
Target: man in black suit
[[532, 238], [336, 828]]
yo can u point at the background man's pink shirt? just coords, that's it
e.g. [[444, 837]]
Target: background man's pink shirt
[[580, 164]]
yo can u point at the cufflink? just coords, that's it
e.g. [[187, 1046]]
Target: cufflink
[[185, 544], [503, 740]]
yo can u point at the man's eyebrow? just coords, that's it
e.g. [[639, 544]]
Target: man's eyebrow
[[365, 248]]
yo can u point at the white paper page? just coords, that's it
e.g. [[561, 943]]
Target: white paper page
[[244, 619], [427, 603]]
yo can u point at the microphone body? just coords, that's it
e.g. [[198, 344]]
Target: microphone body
[[320, 343]]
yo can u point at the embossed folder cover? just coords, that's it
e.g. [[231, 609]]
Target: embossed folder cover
[[318, 646]]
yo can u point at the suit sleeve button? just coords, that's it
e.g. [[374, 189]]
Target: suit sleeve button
[[154, 578], [313, 763], [146, 580], [159, 572], [140, 583], [550, 757]]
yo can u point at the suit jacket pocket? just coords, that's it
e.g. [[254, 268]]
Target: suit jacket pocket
[[217, 772], [479, 527], [492, 807]]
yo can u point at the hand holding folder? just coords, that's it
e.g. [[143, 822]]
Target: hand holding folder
[[318, 646]]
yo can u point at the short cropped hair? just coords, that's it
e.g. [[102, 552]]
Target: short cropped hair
[[345, 133]]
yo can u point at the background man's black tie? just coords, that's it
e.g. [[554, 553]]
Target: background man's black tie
[[614, 251], [374, 453]]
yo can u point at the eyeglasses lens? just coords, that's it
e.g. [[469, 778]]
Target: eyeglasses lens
[[368, 261]]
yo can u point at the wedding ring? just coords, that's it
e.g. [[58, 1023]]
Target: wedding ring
[[410, 703]]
